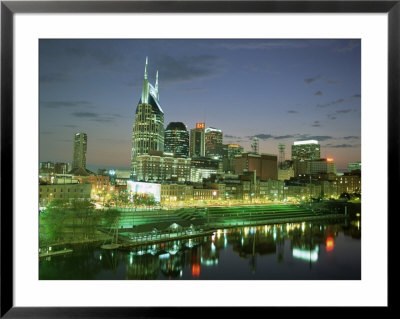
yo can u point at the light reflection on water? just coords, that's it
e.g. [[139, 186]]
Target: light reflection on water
[[277, 252]]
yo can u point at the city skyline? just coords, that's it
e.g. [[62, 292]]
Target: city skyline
[[280, 91]]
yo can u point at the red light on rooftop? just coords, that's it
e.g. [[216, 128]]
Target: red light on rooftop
[[329, 159]]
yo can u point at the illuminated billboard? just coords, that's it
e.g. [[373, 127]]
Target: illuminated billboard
[[141, 188]]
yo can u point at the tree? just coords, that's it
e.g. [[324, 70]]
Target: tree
[[109, 217], [345, 195], [51, 221], [124, 198]]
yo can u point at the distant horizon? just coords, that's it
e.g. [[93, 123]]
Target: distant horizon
[[278, 90]]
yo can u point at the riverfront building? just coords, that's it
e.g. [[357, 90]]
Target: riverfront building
[[171, 193], [349, 183], [176, 139], [148, 129], [306, 150], [205, 194], [213, 143], [50, 192], [197, 141], [100, 184]]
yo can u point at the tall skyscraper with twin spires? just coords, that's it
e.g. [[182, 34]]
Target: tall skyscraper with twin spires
[[148, 128]]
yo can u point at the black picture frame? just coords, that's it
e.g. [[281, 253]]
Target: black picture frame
[[9, 8]]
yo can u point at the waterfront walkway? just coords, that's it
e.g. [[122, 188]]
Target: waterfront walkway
[[130, 238]]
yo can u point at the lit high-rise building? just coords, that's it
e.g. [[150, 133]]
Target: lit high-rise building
[[213, 143], [176, 139], [306, 150], [80, 149], [148, 129], [197, 141]]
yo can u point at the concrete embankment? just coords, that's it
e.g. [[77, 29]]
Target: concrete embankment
[[205, 221], [55, 253]]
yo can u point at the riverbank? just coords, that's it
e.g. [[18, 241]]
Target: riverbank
[[160, 225]]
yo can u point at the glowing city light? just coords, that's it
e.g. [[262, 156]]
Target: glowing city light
[[308, 255], [305, 142], [195, 270], [330, 244]]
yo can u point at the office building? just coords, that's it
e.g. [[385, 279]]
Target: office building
[[197, 141], [322, 165], [306, 150], [79, 156], [176, 139], [265, 165], [202, 168], [213, 143], [158, 166], [80, 149], [229, 151], [148, 128]]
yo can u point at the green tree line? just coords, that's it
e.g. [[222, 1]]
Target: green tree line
[[64, 220]]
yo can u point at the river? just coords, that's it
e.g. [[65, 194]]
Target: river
[[319, 250]]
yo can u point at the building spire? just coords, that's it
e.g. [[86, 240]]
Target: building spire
[[145, 69], [145, 90], [156, 85]]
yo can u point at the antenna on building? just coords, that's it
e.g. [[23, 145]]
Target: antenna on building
[[254, 145], [156, 86], [281, 148], [145, 68]]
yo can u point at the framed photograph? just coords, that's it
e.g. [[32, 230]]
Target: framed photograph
[[161, 155]]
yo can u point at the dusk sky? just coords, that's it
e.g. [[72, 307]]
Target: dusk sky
[[278, 90]]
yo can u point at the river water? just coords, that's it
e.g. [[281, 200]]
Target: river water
[[329, 250]]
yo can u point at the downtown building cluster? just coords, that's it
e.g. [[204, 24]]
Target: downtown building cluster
[[192, 166]]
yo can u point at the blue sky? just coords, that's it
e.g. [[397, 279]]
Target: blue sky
[[278, 90]]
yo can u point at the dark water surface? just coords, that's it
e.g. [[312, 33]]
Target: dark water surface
[[308, 250]]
